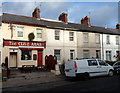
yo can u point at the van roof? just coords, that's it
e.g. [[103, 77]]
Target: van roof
[[84, 59]]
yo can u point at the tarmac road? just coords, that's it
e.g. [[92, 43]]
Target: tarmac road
[[97, 84]]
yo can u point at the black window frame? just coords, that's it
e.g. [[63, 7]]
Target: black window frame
[[27, 52]]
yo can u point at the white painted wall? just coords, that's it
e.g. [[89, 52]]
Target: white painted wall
[[109, 47], [63, 44]]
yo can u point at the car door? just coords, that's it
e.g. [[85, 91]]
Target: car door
[[93, 67], [103, 67]]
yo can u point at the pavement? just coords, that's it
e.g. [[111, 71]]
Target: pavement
[[20, 79]]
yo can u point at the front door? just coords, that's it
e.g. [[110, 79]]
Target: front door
[[40, 58], [13, 60]]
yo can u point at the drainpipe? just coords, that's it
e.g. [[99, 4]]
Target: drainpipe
[[102, 48]]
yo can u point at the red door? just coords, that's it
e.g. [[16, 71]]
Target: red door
[[40, 56]]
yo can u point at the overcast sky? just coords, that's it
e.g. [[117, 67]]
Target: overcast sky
[[100, 13]]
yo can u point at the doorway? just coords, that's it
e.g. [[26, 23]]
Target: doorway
[[40, 58], [13, 59]]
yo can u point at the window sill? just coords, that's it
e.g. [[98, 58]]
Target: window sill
[[26, 60]]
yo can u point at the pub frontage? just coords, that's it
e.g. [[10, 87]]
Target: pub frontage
[[20, 52]]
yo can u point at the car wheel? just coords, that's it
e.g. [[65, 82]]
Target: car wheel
[[111, 73], [86, 76]]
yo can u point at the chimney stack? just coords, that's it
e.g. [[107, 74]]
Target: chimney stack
[[118, 26], [85, 20], [36, 13], [63, 17]]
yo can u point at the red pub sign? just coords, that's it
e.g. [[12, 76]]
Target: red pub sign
[[23, 43]]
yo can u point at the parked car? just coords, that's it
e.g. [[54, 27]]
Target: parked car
[[116, 67], [87, 68]]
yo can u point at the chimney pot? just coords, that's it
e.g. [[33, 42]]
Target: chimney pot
[[63, 17], [118, 26], [36, 13], [85, 20]]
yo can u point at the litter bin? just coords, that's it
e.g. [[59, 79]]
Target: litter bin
[[4, 73]]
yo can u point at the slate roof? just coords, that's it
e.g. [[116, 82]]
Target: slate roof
[[17, 19]]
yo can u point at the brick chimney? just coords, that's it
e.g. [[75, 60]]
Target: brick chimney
[[36, 13], [63, 17], [85, 20], [118, 26]]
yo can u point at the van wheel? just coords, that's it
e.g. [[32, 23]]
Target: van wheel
[[86, 76], [111, 73]]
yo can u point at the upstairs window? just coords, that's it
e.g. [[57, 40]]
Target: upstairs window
[[57, 35], [39, 33], [71, 36], [117, 40], [107, 39], [97, 38], [20, 32], [85, 37]]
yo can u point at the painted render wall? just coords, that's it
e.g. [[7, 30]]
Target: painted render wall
[[6, 32], [63, 44], [92, 46], [109, 47]]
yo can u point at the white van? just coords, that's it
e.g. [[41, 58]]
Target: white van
[[87, 68]]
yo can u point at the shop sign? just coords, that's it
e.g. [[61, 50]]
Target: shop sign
[[23, 43]]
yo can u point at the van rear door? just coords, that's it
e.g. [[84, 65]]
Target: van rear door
[[70, 68]]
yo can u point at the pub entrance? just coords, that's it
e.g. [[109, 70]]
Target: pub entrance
[[13, 59], [40, 58]]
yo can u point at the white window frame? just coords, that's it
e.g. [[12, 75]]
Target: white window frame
[[86, 52], [85, 37], [97, 38], [18, 30], [57, 35], [107, 39], [39, 31], [108, 54], [117, 40], [71, 36], [73, 54], [58, 55]]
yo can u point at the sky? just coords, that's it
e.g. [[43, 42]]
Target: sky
[[101, 13]]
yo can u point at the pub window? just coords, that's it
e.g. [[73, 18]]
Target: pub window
[[57, 35], [71, 36], [26, 54], [39, 33], [34, 57], [20, 31]]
